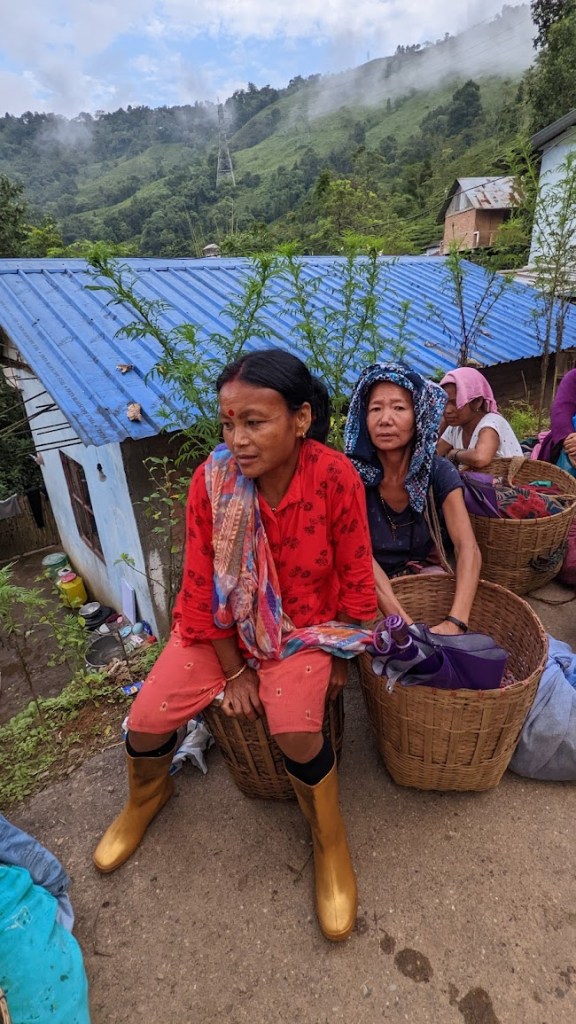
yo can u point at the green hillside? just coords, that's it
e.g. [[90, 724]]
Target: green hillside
[[362, 153]]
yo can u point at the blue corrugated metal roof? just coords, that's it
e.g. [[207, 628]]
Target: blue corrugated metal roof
[[68, 334]]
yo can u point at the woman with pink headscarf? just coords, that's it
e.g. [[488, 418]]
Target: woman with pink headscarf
[[475, 432]]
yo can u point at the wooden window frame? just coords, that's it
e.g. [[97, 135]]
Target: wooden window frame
[[81, 502]]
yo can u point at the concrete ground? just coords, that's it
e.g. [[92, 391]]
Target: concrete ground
[[467, 901]]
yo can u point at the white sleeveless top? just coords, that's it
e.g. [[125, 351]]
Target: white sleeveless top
[[508, 446]]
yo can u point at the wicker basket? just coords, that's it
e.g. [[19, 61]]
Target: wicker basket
[[523, 554], [457, 739], [4, 1012], [253, 758]]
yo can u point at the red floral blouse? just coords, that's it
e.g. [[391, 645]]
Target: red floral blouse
[[319, 540]]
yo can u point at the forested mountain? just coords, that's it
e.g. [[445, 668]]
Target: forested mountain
[[369, 153]]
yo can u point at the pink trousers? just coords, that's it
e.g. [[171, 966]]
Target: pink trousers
[[185, 679]]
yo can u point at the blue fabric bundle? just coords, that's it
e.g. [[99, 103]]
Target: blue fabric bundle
[[547, 745], [41, 970]]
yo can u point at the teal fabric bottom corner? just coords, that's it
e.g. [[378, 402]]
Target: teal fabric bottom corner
[[41, 968]]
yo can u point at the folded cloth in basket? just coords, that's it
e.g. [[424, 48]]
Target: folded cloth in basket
[[495, 498], [479, 494], [527, 501]]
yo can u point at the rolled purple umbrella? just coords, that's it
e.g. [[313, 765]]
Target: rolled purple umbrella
[[391, 632]]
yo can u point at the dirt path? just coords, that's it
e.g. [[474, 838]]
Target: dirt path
[[467, 901]]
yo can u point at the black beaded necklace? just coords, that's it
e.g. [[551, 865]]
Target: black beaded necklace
[[394, 520]]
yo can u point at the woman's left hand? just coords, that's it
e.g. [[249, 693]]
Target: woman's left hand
[[447, 629], [338, 677]]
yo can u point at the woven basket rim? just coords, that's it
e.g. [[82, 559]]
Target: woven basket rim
[[442, 577], [496, 692], [497, 591]]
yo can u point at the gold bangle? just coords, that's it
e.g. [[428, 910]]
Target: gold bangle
[[236, 674]]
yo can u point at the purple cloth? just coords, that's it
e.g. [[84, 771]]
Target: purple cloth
[[480, 496], [561, 413], [472, 661]]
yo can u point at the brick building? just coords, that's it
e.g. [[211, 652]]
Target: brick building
[[474, 210]]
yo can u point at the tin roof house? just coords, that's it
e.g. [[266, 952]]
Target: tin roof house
[[97, 410], [474, 210]]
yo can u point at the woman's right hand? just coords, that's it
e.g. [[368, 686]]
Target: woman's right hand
[[241, 697]]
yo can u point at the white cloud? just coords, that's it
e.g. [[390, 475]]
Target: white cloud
[[405, 20], [19, 92], [83, 54]]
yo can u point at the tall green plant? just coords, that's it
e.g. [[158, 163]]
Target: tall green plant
[[472, 313], [164, 507], [332, 327], [20, 608], [190, 360], [554, 259], [335, 326], [70, 638]]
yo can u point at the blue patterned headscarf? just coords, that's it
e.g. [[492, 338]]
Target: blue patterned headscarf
[[429, 401]]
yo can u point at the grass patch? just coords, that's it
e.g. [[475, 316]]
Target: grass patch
[[32, 751], [84, 719], [523, 418]]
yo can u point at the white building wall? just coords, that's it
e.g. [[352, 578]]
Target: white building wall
[[111, 503], [551, 172]]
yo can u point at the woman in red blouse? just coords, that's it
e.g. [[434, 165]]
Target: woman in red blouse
[[277, 547]]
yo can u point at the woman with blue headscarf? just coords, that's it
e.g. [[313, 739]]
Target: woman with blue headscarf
[[391, 435]]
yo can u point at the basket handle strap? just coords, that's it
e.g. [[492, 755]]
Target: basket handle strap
[[514, 466], [433, 523]]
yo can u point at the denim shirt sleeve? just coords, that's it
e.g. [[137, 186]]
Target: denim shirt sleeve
[[19, 849]]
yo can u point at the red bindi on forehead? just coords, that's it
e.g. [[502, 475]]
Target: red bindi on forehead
[[230, 412]]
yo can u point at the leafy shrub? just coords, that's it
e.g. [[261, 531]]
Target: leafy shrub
[[523, 418]]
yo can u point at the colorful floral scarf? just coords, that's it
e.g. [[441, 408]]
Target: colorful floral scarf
[[246, 589], [429, 401]]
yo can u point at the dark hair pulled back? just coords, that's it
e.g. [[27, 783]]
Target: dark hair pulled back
[[283, 372]]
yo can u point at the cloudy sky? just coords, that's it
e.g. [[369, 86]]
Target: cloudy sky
[[68, 56]]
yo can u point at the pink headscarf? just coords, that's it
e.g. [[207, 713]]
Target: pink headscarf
[[470, 384]]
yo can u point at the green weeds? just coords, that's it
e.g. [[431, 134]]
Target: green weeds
[[32, 747]]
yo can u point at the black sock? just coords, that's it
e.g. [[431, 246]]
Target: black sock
[[158, 752], [312, 772]]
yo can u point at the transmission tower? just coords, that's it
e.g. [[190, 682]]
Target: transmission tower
[[225, 170]]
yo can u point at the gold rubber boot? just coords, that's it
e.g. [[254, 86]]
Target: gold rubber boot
[[336, 890], [149, 787]]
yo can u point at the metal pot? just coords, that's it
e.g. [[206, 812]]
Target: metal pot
[[102, 649]]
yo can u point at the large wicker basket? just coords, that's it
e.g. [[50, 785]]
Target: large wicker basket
[[253, 759], [523, 554], [457, 739]]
